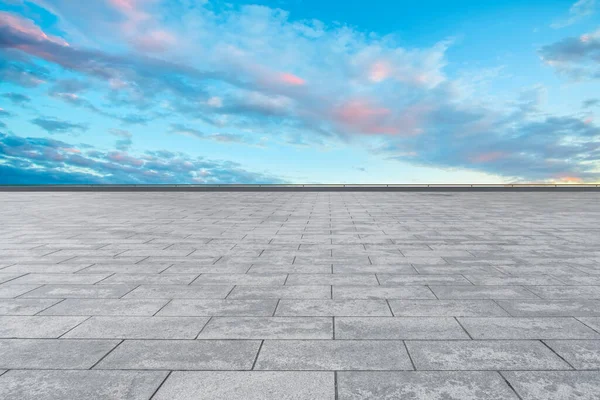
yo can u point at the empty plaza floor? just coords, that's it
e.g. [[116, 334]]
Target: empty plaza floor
[[300, 295]]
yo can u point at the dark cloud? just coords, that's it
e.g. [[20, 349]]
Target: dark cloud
[[4, 113], [576, 57], [53, 125], [17, 98], [48, 161], [590, 103]]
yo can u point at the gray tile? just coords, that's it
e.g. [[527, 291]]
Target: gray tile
[[79, 291], [555, 385], [61, 279], [242, 308], [332, 279], [482, 292], [150, 279], [592, 322], [280, 292], [380, 292], [314, 308], [53, 354], [396, 280], [527, 328], [24, 306], [373, 269], [120, 268], [581, 354], [579, 279], [139, 328], [566, 292], [420, 385], [483, 355], [268, 328], [45, 268], [183, 355], [10, 291], [446, 308], [248, 385], [123, 307], [8, 277], [36, 326], [398, 328], [551, 308], [77, 385], [333, 355], [289, 269], [241, 279], [494, 280], [179, 292]]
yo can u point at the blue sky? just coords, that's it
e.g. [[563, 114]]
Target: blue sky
[[299, 91]]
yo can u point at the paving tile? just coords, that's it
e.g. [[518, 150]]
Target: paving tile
[[423, 385], [241, 279], [380, 292], [486, 280], [566, 292], [482, 292], [77, 385], [242, 308], [579, 279], [179, 292], [120, 268], [138, 328], [53, 354], [395, 280], [45, 268], [551, 308], [183, 355], [289, 269], [314, 308], [581, 354], [150, 279], [483, 355], [280, 292], [268, 328], [332, 279], [248, 385], [527, 328], [25, 306], [196, 268], [446, 308], [9, 277], [63, 279], [79, 291], [36, 326], [123, 307], [10, 291], [330, 355], [398, 328], [373, 269], [555, 385]]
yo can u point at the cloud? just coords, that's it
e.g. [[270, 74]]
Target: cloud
[[590, 103], [4, 113], [576, 57], [17, 98], [577, 12], [125, 142], [27, 160], [53, 125]]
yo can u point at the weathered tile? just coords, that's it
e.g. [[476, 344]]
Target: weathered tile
[[138, 328], [77, 385], [446, 308], [332, 279], [380, 292], [183, 355], [10, 291], [397, 280], [53, 354], [25, 306], [123, 307], [494, 280], [482, 292], [280, 292], [423, 385], [555, 385], [150, 279], [268, 328], [79, 291], [314, 308], [483, 355], [333, 355], [241, 279], [527, 328], [551, 308], [36, 326], [179, 292], [581, 354], [566, 292], [373, 269], [398, 328], [61, 279], [242, 308]]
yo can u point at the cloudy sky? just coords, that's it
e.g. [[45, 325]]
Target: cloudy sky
[[299, 91]]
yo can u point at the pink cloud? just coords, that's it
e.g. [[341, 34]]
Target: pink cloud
[[291, 79], [124, 158], [361, 116], [488, 157], [155, 41], [380, 71], [28, 27]]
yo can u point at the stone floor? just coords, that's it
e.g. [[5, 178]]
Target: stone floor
[[314, 296]]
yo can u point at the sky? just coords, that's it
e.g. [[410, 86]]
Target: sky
[[299, 91]]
